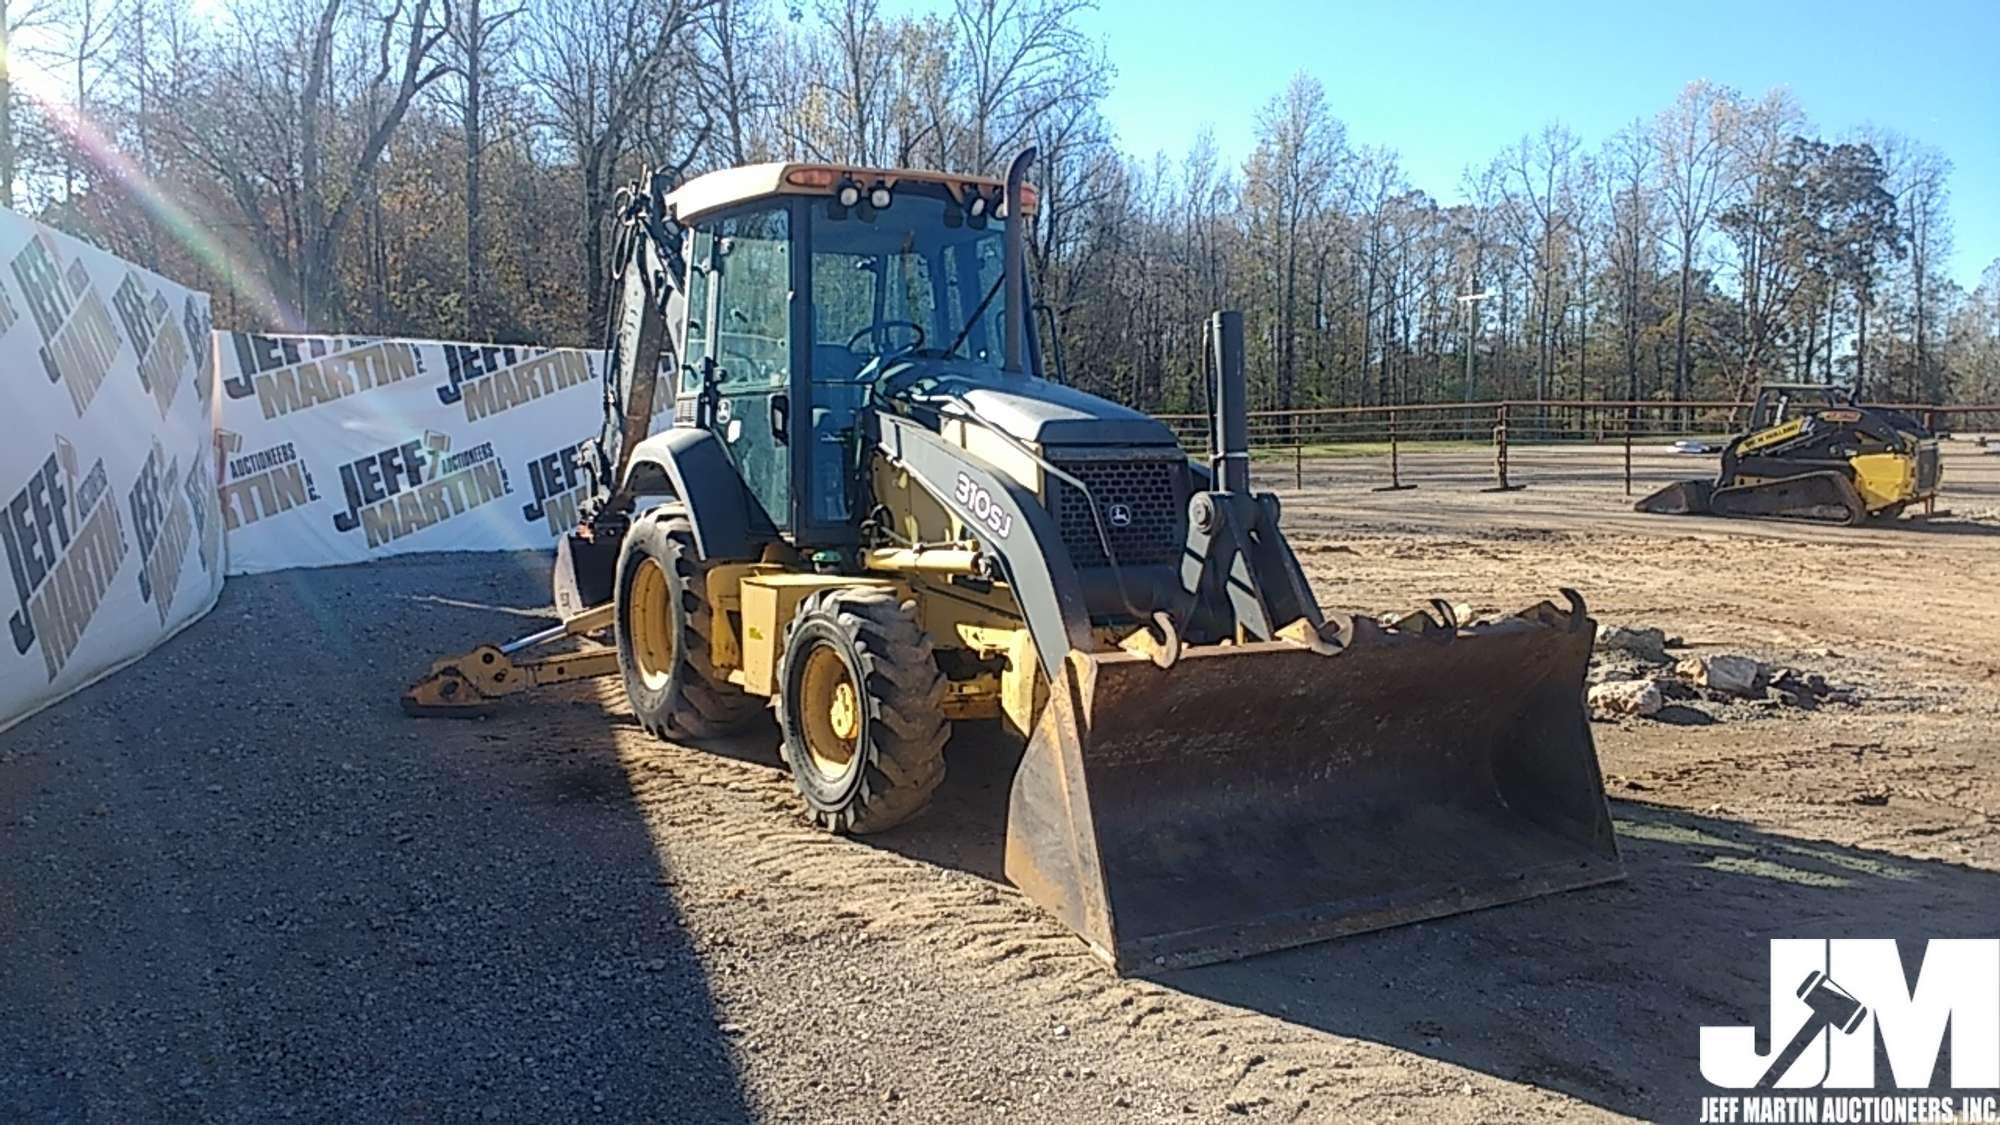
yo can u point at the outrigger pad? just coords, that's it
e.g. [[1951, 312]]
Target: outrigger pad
[[1253, 797], [1681, 498]]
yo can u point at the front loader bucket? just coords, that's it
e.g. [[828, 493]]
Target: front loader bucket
[[1259, 796], [1681, 498]]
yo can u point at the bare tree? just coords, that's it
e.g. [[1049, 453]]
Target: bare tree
[[85, 31], [600, 65], [1628, 162], [1537, 173], [736, 35], [1022, 59], [1290, 175], [16, 16], [1918, 178], [1693, 137], [1769, 267], [480, 40], [294, 122]]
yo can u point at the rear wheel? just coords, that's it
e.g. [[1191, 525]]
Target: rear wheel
[[663, 626], [859, 697]]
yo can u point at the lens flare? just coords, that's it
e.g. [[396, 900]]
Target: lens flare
[[195, 231]]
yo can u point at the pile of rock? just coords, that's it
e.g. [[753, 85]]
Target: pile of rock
[[1633, 675]]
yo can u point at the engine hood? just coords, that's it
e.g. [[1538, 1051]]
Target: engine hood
[[1032, 410]]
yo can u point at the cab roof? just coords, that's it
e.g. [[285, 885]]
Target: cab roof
[[713, 191]]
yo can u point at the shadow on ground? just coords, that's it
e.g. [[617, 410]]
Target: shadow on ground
[[241, 885], [1599, 994]]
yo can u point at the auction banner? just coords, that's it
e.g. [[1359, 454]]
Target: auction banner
[[107, 503], [342, 449]]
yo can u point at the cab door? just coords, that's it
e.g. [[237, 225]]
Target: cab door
[[746, 328]]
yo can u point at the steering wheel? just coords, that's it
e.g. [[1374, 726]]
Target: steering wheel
[[854, 341]]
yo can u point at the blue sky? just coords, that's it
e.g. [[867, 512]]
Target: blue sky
[[1450, 84]]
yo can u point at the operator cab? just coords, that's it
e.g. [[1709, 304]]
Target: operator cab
[[1776, 401], [807, 284]]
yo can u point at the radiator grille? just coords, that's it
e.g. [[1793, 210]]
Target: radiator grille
[[1927, 468], [1148, 495]]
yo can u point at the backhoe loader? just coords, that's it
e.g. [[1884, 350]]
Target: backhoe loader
[[1813, 453], [877, 513]]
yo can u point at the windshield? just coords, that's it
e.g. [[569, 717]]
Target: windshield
[[919, 277]]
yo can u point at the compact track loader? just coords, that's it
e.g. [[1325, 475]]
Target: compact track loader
[[876, 513], [1813, 453]]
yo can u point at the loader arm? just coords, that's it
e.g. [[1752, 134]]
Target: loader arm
[[1011, 521]]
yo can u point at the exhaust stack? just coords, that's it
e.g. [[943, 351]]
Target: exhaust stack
[[1228, 418]]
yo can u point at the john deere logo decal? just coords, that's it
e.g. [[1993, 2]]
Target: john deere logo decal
[[1120, 515]]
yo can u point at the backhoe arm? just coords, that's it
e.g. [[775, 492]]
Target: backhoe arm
[[648, 285]]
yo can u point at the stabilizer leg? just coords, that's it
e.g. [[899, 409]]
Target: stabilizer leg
[[472, 683]]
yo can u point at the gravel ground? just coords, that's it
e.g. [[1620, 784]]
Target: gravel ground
[[242, 886]]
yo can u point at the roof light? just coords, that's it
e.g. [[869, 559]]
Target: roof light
[[976, 206], [811, 177], [878, 197], [849, 193]]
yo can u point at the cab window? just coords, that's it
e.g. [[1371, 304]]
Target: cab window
[[753, 275], [700, 254]]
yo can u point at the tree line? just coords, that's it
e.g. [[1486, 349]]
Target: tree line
[[445, 168]]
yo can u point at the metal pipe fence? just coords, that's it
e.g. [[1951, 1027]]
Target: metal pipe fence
[[1507, 426]]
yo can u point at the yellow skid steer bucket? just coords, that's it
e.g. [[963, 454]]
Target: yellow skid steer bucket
[[1257, 796]]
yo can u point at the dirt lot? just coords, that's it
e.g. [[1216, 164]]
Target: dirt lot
[[240, 885]]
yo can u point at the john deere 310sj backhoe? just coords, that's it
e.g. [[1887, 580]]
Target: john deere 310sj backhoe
[[876, 512]]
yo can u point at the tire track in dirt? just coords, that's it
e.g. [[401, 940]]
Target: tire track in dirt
[[1250, 1060]]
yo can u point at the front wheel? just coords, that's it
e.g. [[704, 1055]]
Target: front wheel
[[860, 699], [664, 623]]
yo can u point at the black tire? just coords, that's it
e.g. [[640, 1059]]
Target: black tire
[[895, 747], [674, 688]]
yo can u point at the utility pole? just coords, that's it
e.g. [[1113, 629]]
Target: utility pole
[[1471, 303]]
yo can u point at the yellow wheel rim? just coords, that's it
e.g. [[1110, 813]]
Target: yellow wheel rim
[[830, 712], [649, 621]]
